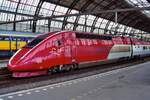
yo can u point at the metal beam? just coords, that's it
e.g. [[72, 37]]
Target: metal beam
[[86, 13], [14, 24], [83, 8], [17, 13], [53, 12], [73, 4], [69, 15], [111, 16], [116, 17], [96, 19], [38, 8]]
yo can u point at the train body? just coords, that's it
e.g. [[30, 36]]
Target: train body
[[67, 50], [11, 41]]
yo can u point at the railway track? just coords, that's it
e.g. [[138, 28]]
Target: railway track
[[4, 73], [9, 84], [4, 61]]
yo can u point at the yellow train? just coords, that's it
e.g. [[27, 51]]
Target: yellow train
[[11, 41]]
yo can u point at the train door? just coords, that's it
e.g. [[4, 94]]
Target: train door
[[57, 49], [70, 49]]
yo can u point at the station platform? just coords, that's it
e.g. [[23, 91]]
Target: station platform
[[132, 83]]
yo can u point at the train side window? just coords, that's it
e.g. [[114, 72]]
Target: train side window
[[7, 38], [2, 38], [19, 39], [14, 39], [135, 46], [57, 42], [138, 46]]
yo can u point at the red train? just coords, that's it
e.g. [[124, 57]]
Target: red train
[[66, 50]]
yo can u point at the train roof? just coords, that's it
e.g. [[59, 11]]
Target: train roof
[[18, 34]]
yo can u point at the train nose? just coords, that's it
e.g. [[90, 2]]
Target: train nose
[[24, 65], [11, 67], [15, 63], [14, 67], [18, 67]]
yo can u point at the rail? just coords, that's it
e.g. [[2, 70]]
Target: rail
[[4, 73], [3, 63]]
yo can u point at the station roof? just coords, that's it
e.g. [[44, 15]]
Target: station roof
[[21, 10], [134, 19]]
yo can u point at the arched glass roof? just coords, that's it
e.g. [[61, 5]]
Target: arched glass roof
[[18, 10], [141, 3]]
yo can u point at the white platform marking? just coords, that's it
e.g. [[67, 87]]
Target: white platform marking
[[20, 95], [37, 91], [45, 89], [10, 97], [58, 86], [28, 93], [51, 87]]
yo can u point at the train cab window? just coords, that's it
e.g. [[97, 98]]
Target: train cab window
[[36, 41]]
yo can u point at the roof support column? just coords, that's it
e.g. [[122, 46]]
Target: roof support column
[[82, 9], [120, 20], [14, 24], [85, 24], [68, 12], [36, 14], [50, 20], [116, 17], [96, 19]]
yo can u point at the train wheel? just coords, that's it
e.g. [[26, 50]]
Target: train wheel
[[60, 68], [50, 71], [75, 66], [53, 70], [69, 67]]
